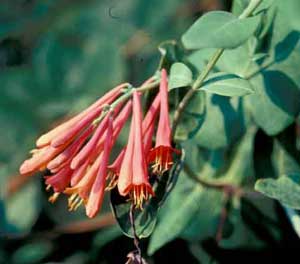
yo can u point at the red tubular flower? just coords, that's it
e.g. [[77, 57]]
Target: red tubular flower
[[47, 138], [91, 145], [148, 127], [84, 176], [133, 178], [70, 151], [53, 143], [97, 192], [77, 153], [90, 189], [161, 155]]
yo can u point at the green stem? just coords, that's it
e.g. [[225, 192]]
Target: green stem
[[267, 63], [127, 94], [250, 8], [201, 78]]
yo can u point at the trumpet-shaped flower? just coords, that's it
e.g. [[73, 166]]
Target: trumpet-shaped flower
[[133, 177], [161, 155]]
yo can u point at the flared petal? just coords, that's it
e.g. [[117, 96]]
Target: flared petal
[[161, 155], [133, 177]]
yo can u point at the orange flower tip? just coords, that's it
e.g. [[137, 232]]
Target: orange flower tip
[[42, 141], [33, 151], [53, 198], [26, 169], [91, 214], [92, 211]]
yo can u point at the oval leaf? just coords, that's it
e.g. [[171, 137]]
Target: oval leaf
[[180, 76], [144, 220], [227, 85], [219, 29], [285, 189]]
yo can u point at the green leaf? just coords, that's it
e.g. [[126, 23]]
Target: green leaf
[[284, 157], [275, 104], [285, 189], [221, 115], [32, 253], [180, 76], [144, 220], [170, 53], [294, 218], [23, 207], [219, 29], [249, 218], [198, 216], [227, 85], [267, 21], [105, 236], [239, 6], [185, 203], [284, 39], [192, 117]]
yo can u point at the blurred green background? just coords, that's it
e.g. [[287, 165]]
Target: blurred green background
[[56, 57]]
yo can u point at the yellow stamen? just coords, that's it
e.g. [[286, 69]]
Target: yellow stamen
[[113, 181], [74, 202], [139, 195], [53, 197]]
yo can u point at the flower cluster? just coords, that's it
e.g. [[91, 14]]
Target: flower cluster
[[77, 152]]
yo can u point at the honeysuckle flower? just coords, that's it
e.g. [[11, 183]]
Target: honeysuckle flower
[[148, 127], [97, 191], [133, 176], [61, 180], [84, 175], [58, 139], [77, 152], [161, 155], [91, 187]]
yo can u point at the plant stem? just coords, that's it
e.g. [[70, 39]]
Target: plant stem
[[128, 93], [125, 96], [135, 236], [250, 8], [197, 84], [202, 76]]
